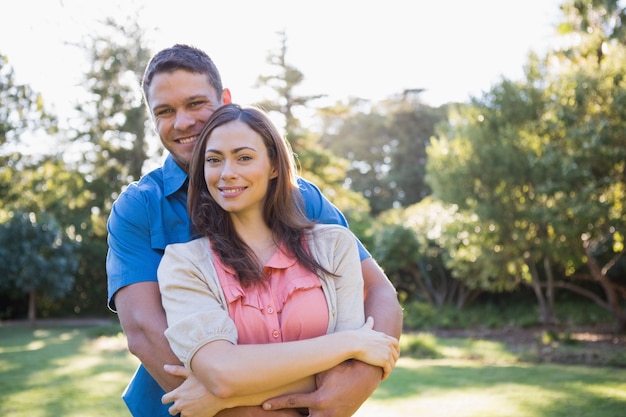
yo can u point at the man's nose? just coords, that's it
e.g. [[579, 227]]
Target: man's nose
[[184, 120]]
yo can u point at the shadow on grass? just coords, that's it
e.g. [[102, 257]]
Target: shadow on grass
[[543, 390], [57, 371]]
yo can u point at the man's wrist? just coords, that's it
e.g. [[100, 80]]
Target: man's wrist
[[365, 370]]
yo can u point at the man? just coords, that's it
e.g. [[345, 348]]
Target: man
[[182, 88]]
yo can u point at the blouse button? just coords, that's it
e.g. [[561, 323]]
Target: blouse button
[[270, 310], [275, 334]]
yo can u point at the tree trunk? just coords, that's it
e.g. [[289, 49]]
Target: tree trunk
[[547, 266], [32, 311], [546, 311], [613, 296]]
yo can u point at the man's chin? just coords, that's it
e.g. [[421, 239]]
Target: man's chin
[[182, 161]]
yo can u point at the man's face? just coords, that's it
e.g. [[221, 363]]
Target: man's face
[[181, 102]]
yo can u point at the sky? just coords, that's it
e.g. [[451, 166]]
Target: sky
[[370, 49]]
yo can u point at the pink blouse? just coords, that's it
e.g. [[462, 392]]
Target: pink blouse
[[291, 306]]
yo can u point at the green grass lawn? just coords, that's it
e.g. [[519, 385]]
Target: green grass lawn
[[81, 372]]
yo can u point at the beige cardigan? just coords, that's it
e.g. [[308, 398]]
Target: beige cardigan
[[196, 309]]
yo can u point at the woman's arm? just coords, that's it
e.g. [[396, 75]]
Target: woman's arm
[[200, 328], [239, 370]]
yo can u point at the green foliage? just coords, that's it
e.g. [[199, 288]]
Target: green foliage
[[506, 312], [540, 163], [21, 108], [528, 179], [88, 295], [397, 249], [595, 22], [37, 189], [386, 145], [429, 346], [422, 346], [416, 248], [316, 163], [114, 122], [283, 84], [22, 113], [421, 316], [36, 257]]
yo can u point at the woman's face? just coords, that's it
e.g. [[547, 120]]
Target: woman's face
[[237, 169]]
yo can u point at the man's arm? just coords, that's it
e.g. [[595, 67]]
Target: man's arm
[[194, 401], [381, 299], [344, 388], [143, 320]]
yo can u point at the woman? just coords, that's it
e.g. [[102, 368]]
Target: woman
[[263, 299]]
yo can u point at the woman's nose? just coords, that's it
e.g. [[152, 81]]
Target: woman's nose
[[227, 171]]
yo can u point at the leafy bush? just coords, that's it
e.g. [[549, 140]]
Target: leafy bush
[[490, 315]]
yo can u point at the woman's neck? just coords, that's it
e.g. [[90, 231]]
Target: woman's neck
[[258, 236]]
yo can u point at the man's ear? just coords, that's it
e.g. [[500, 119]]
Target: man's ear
[[226, 98]]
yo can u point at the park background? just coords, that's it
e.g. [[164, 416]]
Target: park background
[[495, 207]]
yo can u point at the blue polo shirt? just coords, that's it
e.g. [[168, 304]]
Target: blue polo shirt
[[149, 215]]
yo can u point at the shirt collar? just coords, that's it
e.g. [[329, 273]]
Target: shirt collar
[[281, 259], [173, 176]]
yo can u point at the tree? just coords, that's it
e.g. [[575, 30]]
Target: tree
[[103, 149], [541, 163], [21, 108], [587, 125], [412, 125], [284, 83], [36, 258], [599, 22], [411, 246], [386, 144], [317, 164], [55, 188], [113, 121], [21, 111], [110, 136]]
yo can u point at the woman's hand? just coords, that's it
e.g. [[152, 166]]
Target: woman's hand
[[191, 398], [376, 348]]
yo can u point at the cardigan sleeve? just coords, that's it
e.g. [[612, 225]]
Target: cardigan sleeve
[[193, 299], [335, 248]]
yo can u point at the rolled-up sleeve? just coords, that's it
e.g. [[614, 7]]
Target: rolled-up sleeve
[[194, 303]]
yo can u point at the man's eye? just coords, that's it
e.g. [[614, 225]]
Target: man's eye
[[163, 112]]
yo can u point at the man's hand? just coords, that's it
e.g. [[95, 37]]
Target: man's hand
[[340, 391], [192, 399]]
